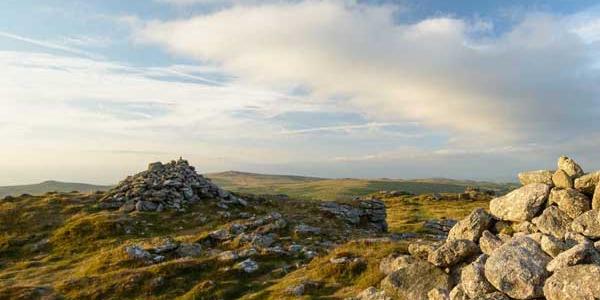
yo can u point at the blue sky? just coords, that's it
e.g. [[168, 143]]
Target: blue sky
[[94, 90]]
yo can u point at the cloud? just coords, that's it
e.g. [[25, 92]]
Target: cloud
[[49, 45], [531, 83]]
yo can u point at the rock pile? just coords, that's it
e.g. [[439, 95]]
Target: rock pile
[[539, 241], [173, 185]]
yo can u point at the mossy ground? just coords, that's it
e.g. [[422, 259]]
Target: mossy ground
[[62, 246]]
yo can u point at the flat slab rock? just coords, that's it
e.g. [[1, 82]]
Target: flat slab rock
[[522, 204], [580, 282], [518, 268]]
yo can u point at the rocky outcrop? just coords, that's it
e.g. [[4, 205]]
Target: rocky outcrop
[[522, 204], [367, 213], [174, 185]]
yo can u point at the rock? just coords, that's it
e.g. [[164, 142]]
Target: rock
[[438, 294], [452, 252], [522, 204], [361, 213], [263, 241], [245, 253], [596, 198], [439, 226], [146, 206], [393, 263], [189, 250], [492, 296], [587, 183], [415, 281], [570, 201], [540, 176], [518, 268], [303, 229], [473, 279], [371, 293], [248, 266], [570, 167], [588, 224], [228, 256], [562, 180], [138, 253], [526, 227], [553, 221], [220, 235], [578, 282], [489, 243], [458, 293], [168, 244], [422, 249], [574, 238], [582, 253], [471, 227], [552, 245]]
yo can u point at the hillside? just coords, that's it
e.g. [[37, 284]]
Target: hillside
[[323, 188], [49, 186]]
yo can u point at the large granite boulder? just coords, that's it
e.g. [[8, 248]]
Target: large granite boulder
[[553, 221], [539, 176], [571, 201], [518, 268], [522, 204], [415, 281], [453, 252], [578, 282], [471, 227]]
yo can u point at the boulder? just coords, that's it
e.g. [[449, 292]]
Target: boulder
[[570, 201], [471, 227], [522, 204], [578, 282], [552, 245], [540, 176], [248, 266], [596, 198], [587, 183], [453, 252], [570, 167], [472, 278], [457, 293], [553, 221], [582, 253], [393, 263], [422, 249], [415, 281], [562, 180], [438, 294], [489, 242], [588, 224], [492, 296], [518, 268]]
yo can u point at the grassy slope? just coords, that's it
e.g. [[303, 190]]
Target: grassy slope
[[338, 189], [49, 186]]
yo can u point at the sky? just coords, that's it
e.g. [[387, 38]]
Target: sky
[[92, 91]]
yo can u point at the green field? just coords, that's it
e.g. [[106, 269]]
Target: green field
[[340, 189]]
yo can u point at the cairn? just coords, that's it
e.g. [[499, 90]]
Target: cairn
[[173, 185], [541, 241]]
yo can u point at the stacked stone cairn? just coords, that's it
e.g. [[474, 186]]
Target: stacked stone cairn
[[541, 241], [172, 185]]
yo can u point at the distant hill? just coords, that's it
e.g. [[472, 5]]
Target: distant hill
[[323, 188], [49, 186]]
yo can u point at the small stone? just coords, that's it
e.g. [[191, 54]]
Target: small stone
[[228, 256], [189, 250], [471, 227], [248, 266], [540, 176], [473, 279], [561, 179], [453, 252], [220, 235], [422, 249], [393, 263], [489, 242], [570, 167], [137, 252], [303, 229], [522, 204]]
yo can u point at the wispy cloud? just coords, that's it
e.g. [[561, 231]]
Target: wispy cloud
[[348, 128], [50, 45]]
